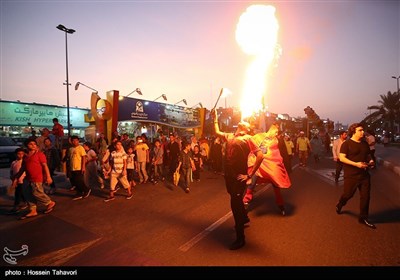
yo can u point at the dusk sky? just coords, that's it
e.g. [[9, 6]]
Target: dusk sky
[[337, 56]]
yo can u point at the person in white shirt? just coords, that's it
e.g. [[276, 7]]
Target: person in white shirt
[[18, 195], [369, 136], [118, 172], [336, 151], [91, 176]]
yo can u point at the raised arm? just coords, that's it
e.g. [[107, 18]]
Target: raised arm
[[216, 126]]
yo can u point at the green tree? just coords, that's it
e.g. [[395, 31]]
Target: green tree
[[387, 112]]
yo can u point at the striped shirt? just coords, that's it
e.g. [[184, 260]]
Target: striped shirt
[[117, 160]]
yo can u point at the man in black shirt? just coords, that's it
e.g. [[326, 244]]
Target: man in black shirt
[[237, 151], [354, 154]]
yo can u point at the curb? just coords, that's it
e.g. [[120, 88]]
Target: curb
[[389, 165]]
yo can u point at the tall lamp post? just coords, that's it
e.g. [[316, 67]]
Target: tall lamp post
[[67, 31], [397, 78]]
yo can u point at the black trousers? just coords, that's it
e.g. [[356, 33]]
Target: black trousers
[[52, 185], [236, 191], [78, 181], [364, 187], [19, 195], [339, 167], [373, 155]]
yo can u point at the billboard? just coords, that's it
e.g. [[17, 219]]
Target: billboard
[[139, 110]]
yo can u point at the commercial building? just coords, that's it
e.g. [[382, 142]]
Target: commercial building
[[19, 119]]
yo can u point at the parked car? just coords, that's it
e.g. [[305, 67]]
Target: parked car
[[7, 151], [20, 141]]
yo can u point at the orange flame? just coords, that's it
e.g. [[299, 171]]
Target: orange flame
[[257, 35]]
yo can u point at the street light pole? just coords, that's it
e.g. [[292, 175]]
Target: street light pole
[[67, 31], [79, 83], [397, 78], [136, 90], [183, 100], [200, 104], [163, 96]]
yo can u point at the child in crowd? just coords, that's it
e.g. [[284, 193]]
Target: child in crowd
[[198, 163], [130, 167], [118, 172], [185, 166], [18, 196], [158, 161], [91, 176], [53, 161]]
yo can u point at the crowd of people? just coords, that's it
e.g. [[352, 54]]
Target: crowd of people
[[124, 162], [245, 158]]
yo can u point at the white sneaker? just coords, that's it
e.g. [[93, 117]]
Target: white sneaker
[[110, 198], [87, 194]]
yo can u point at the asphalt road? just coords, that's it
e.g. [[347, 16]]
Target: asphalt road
[[162, 226]]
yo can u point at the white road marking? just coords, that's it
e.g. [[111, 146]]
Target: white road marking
[[327, 174], [186, 247]]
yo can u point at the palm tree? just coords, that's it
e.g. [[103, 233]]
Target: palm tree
[[388, 112]]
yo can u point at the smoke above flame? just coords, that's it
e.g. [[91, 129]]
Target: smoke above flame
[[257, 35]]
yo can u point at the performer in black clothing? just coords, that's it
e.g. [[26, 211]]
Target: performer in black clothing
[[355, 155], [237, 151]]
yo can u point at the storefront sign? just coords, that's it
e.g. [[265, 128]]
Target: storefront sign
[[20, 114]]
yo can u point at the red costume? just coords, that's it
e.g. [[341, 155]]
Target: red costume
[[272, 168]]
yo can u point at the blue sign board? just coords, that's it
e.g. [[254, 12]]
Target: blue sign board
[[133, 109]]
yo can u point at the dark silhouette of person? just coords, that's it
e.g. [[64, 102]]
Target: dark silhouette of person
[[237, 151]]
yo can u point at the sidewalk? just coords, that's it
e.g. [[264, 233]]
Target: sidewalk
[[388, 157]]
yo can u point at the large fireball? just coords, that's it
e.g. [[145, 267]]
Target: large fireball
[[256, 34]]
